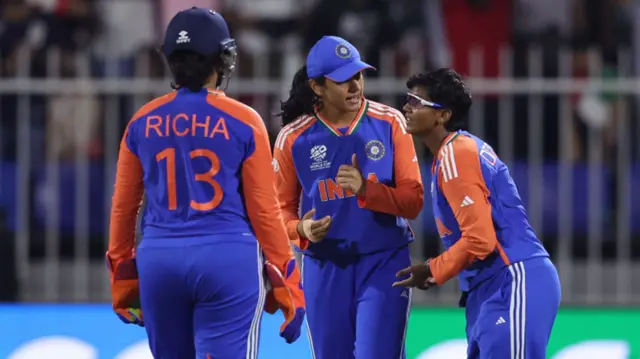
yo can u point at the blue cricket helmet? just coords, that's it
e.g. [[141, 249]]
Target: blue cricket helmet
[[202, 31]]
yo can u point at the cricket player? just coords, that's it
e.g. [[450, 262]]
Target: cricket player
[[350, 165], [204, 162], [510, 288]]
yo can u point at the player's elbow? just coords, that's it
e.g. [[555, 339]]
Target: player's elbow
[[414, 211], [417, 202], [481, 246]]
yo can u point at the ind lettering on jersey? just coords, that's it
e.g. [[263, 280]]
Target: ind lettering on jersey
[[181, 125], [442, 230], [330, 190]]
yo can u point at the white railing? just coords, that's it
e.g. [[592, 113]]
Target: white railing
[[571, 200]]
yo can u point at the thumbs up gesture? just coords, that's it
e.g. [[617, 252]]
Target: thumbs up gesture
[[350, 177]]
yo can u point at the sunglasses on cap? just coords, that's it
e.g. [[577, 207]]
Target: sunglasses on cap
[[417, 102]]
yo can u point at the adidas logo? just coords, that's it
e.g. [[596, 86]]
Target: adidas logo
[[466, 201], [500, 321], [404, 294]]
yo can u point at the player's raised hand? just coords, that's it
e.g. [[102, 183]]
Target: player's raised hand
[[419, 277], [350, 177], [314, 229]]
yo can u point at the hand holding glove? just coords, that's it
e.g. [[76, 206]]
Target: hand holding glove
[[125, 290], [286, 294]]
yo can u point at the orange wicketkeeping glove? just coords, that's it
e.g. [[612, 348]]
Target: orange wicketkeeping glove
[[287, 295], [125, 290]]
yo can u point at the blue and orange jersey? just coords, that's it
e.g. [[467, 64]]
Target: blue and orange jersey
[[203, 162], [479, 214], [307, 155]]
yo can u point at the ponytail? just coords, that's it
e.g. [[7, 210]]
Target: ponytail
[[302, 99]]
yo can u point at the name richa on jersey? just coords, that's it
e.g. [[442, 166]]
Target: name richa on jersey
[[184, 125]]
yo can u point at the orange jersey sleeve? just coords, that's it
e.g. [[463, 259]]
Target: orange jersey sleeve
[[407, 197], [125, 204], [128, 191], [259, 184], [461, 182], [289, 188]]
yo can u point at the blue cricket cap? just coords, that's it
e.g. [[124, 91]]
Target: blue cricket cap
[[335, 58], [196, 29]]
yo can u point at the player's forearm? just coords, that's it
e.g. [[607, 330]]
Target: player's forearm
[[122, 229], [265, 216], [121, 248], [406, 200], [292, 232], [271, 234], [125, 205], [460, 256], [291, 221], [451, 262]]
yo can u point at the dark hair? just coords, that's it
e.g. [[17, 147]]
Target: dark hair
[[445, 87], [302, 99], [192, 70]]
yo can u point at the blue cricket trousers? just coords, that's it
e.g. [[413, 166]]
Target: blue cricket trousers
[[202, 297], [512, 314], [352, 309]]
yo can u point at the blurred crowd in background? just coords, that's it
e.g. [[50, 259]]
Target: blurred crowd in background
[[443, 33], [487, 39]]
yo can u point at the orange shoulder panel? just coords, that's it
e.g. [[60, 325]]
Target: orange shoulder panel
[[154, 104], [236, 109]]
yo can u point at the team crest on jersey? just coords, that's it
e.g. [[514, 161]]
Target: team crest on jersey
[[276, 165], [343, 51], [374, 150], [318, 155]]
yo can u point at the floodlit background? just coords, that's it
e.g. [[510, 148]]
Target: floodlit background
[[556, 93]]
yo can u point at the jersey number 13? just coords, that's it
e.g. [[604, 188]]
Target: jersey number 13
[[169, 154]]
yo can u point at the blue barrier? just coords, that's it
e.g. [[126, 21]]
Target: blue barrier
[[41, 195], [68, 191], [94, 332], [100, 186], [8, 191]]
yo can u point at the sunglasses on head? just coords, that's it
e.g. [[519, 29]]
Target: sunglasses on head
[[417, 102]]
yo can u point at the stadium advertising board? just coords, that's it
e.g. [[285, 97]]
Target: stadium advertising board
[[577, 334], [93, 332]]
